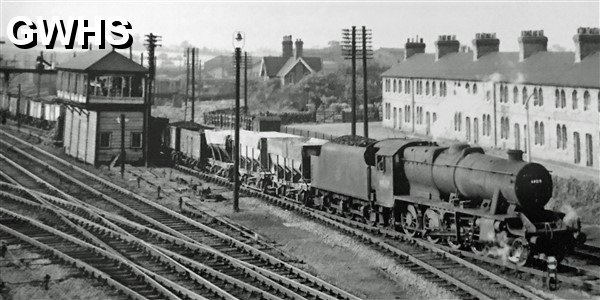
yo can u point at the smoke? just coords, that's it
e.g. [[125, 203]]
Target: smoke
[[495, 77], [501, 249], [571, 217], [520, 78]]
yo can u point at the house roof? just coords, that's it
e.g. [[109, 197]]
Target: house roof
[[545, 68], [279, 66], [273, 64], [102, 61]]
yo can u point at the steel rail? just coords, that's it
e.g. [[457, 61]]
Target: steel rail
[[156, 256], [366, 234], [246, 268], [94, 212], [322, 285], [92, 250]]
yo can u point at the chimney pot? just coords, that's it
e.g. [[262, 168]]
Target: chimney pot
[[412, 47], [532, 42], [485, 43], [587, 41], [287, 46], [446, 44], [299, 48]]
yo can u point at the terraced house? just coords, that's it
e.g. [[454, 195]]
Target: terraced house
[[545, 103]]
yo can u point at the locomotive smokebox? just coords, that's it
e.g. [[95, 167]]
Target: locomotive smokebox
[[515, 155]]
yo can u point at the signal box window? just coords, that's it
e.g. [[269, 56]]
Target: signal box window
[[381, 163], [136, 140], [105, 140]]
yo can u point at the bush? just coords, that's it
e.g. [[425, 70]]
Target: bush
[[582, 195]]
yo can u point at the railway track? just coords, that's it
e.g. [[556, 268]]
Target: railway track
[[464, 278], [588, 252], [172, 268], [77, 182], [92, 260], [576, 276]]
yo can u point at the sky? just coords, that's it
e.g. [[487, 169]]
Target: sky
[[211, 24]]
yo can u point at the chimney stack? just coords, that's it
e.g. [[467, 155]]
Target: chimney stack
[[299, 48], [532, 42], [287, 46], [446, 44], [587, 41], [413, 47], [485, 43]]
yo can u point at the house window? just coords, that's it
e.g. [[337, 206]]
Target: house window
[[536, 133], [558, 136], [474, 88], [427, 88], [574, 99], [434, 117], [586, 100], [399, 86], [524, 95], [563, 99], [433, 88], [105, 139], [515, 94], [468, 128], [136, 140], [542, 134], [395, 85], [535, 97], [557, 98], [589, 151], [564, 137], [576, 147], [540, 97]]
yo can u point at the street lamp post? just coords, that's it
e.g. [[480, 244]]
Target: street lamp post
[[238, 43]]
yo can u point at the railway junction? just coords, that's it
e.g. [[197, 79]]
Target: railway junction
[[337, 218], [48, 198]]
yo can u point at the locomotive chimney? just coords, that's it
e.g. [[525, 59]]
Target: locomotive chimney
[[515, 155]]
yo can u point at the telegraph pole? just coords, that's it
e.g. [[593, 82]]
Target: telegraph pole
[[193, 81], [353, 81], [245, 83], [238, 43], [152, 41], [366, 54], [187, 80], [349, 52]]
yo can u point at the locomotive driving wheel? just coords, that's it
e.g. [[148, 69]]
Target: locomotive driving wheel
[[519, 251], [409, 221]]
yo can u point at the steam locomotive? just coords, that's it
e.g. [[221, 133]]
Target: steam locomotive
[[456, 195]]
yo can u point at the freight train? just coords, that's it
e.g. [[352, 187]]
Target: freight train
[[456, 195]]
